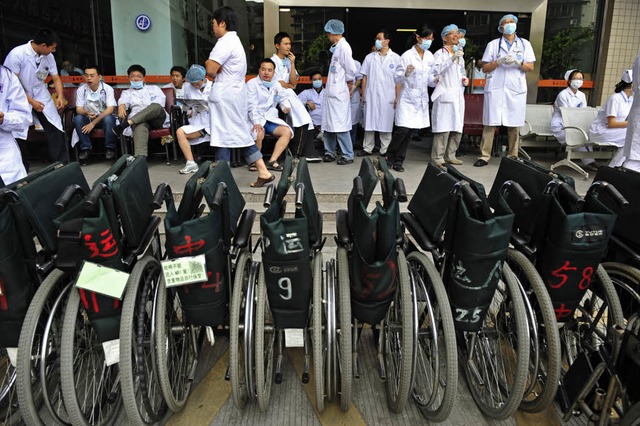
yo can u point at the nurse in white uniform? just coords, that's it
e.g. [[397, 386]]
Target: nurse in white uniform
[[569, 97], [632, 142], [227, 66], [506, 61], [15, 117], [448, 98], [610, 125], [197, 88]]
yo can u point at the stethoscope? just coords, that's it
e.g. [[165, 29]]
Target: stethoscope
[[517, 39], [103, 95]]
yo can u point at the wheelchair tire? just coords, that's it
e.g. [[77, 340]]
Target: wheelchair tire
[[631, 416], [265, 344], [10, 414], [434, 390], [176, 348], [505, 328], [398, 351], [601, 296], [345, 363], [237, 371], [141, 393], [91, 396], [41, 331], [317, 330], [544, 375], [627, 282]]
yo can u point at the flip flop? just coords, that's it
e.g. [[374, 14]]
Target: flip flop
[[262, 181], [252, 167]]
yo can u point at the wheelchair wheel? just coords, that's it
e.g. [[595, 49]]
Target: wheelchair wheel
[[496, 358], [544, 358], [90, 389], [38, 369], [397, 340], [627, 282], [9, 412], [436, 365], [141, 393], [240, 357], [344, 366], [176, 348], [317, 329], [265, 339], [593, 321]]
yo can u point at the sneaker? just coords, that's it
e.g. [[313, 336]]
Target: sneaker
[[328, 158], [455, 162], [84, 155], [190, 167], [313, 159], [111, 154], [342, 161]]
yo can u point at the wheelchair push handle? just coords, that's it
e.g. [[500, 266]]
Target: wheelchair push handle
[[93, 197], [568, 194], [470, 197], [358, 188], [401, 191], [268, 196], [163, 191], [513, 190], [299, 194], [219, 195], [611, 191], [69, 192]]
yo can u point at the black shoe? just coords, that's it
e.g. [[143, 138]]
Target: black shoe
[[398, 168], [84, 155], [376, 149], [111, 154], [480, 163], [119, 129], [363, 153], [342, 161], [328, 159]]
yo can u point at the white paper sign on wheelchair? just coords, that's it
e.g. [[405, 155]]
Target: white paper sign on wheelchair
[[184, 270], [102, 279]]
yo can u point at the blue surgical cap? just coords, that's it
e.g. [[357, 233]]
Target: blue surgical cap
[[195, 73], [509, 16], [462, 32], [446, 30], [334, 26]]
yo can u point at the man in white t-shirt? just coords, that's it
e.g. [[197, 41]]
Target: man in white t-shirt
[[178, 77]]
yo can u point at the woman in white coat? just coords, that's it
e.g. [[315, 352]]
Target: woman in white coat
[[227, 65], [15, 117], [632, 142], [610, 125], [569, 97], [412, 111], [448, 98], [196, 88]]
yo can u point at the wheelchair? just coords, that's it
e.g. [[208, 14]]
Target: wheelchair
[[449, 218], [182, 313], [30, 305], [373, 286]]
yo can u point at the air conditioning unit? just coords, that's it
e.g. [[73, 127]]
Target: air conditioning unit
[[573, 22]]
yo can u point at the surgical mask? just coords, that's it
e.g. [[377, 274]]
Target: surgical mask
[[332, 48], [509, 28], [378, 44], [576, 84], [316, 84], [462, 43], [455, 48], [136, 84], [425, 45], [267, 84]]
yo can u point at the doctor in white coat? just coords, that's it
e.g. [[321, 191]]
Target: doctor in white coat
[[506, 61], [33, 62], [380, 91], [448, 98], [336, 111], [227, 65], [412, 111], [632, 142], [15, 117]]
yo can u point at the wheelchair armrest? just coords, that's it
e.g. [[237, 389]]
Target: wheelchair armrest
[[243, 233], [343, 236], [416, 231], [320, 242]]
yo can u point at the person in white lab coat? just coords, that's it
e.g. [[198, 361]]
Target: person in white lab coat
[[506, 61], [264, 94], [33, 62], [313, 99], [227, 65], [178, 77], [610, 125], [15, 117], [632, 141], [380, 90], [336, 111], [357, 110], [196, 88], [448, 98], [412, 111], [569, 97]]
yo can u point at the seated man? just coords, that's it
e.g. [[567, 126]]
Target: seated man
[[140, 108], [178, 75], [95, 104], [263, 94], [313, 98], [197, 88]]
